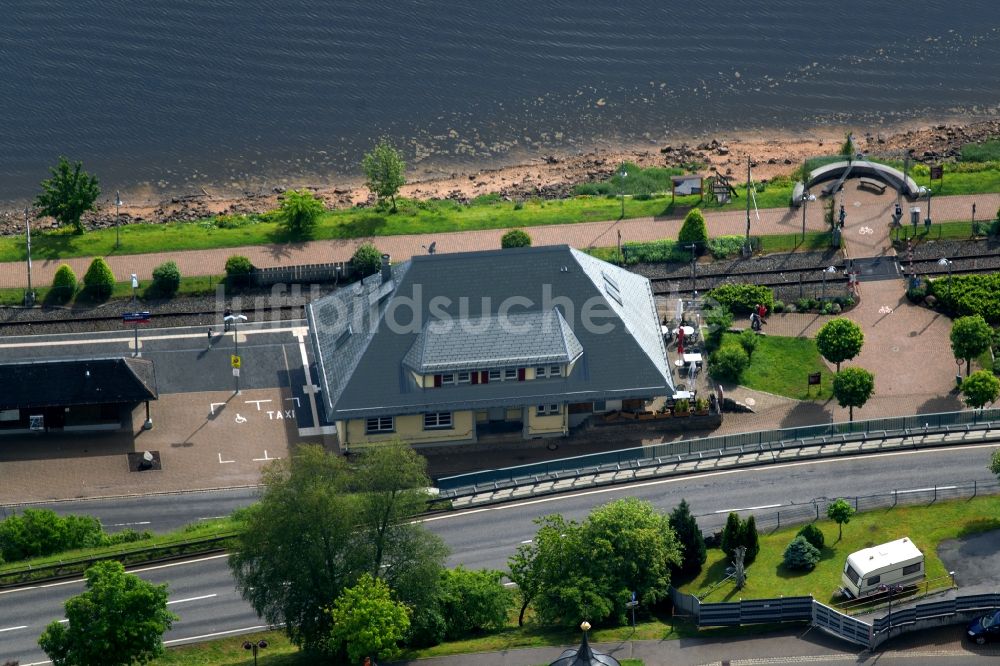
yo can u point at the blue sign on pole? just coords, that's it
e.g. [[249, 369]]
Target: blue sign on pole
[[633, 596], [135, 317]]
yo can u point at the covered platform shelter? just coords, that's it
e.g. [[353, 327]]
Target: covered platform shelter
[[96, 394], [839, 171]]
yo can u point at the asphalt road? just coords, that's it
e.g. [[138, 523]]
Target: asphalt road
[[483, 537]]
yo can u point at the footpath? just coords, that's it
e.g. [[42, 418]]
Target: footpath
[[864, 210]]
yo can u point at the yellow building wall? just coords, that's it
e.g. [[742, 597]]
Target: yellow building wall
[[410, 429], [546, 425]]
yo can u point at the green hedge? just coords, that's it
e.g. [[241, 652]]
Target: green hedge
[[740, 298], [969, 295]]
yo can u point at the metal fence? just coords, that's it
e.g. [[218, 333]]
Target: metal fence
[[331, 272], [974, 603], [763, 440], [815, 509], [755, 611], [847, 627]]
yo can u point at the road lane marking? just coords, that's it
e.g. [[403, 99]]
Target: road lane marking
[[141, 522], [706, 475], [527, 541], [244, 630], [212, 517], [23, 626], [748, 508], [184, 601]]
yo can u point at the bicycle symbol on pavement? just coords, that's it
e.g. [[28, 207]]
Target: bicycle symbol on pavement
[[240, 419], [866, 230], [885, 309]]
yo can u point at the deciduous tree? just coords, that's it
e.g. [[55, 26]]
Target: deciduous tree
[[840, 511], [839, 340], [852, 387], [473, 601], [367, 621], [980, 388], [970, 337], [68, 194], [367, 259], [118, 620], [384, 171]]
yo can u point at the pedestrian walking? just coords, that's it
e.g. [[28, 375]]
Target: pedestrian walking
[[225, 320], [209, 337]]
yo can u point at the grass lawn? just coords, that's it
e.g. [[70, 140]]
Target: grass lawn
[[925, 525], [782, 365], [200, 530]]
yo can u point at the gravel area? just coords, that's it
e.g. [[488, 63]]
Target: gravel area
[[954, 249], [257, 305], [739, 266]]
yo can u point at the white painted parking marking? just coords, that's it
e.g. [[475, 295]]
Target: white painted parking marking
[[223, 462], [265, 458], [184, 601], [298, 403], [256, 402], [212, 406]]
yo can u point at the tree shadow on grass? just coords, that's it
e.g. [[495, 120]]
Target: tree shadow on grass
[[363, 226], [53, 245], [781, 571]]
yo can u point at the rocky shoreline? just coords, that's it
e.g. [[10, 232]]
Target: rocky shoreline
[[553, 176]]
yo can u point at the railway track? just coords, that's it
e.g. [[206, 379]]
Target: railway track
[[770, 278]]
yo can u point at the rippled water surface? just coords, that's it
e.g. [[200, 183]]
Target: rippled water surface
[[181, 93]]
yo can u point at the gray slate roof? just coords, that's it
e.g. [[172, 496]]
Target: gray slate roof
[[366, 335], [493, 341], [93, 381]]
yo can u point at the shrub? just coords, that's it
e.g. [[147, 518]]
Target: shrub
[[367, 259], [63, 284], [779, 306], [729, 362], [515, 238], [99, 281], [300, 209], [725, 246], [166, 278], [835, 308], [750, 539], [741, 298], [238, 270], [38, 532], [969, 295], [813, 535], [694, 229], [473, 601], [653, 252], [996, 366], [801, 555], [749, 341], [127, 535], [719, 320], [916, 294]]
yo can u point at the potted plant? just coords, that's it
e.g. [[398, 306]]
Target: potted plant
[[682, 407], [700, 406], [646, 415]]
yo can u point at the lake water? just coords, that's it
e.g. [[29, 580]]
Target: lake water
[[168, 95]]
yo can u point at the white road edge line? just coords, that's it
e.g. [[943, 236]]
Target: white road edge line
[[748, 508], [218, 633], [23, 626], [183, 601], [159, 566]]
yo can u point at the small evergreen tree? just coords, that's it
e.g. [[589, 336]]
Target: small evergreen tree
[[691, 540], [99, 281], [750, 539], [731, 535], [813, 535], [515, 238], [800, 555], [694, 230], [63, 284]]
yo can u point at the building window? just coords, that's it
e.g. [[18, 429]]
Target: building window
[[912, 568], [873, 580], [555, 371], [437, 420], [464, 378], [380, 424], [509, 373], [494, 375], [547, 410], [540, 372], [448, 378]]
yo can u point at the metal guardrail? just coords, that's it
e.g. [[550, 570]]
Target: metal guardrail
[[163, 551], [465, 485]]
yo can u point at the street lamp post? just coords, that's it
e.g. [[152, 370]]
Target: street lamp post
[[259, 645], [694, 270], [118, 203], [927, 222], [621, 187], [29, 296], [806, 197], [826, 271], [135, 324], [235, 320], [944, 261]]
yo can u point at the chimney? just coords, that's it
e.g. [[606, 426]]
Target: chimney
[[386, 269]]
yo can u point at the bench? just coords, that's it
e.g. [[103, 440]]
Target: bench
[[873, 185]]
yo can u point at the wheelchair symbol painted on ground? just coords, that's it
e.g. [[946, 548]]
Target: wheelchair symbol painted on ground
[[240, 419]]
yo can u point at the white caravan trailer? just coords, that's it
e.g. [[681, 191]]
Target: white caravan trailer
[[897, 562]]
